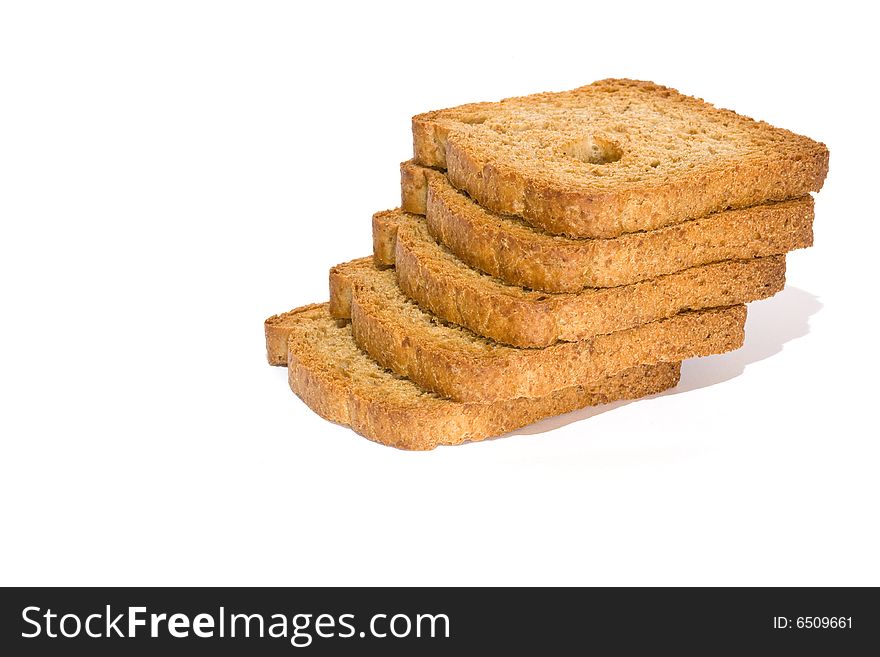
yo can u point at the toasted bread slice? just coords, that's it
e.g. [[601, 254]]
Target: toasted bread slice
[[456, 363], [522, 255], [615, 157], [342, 384], [439, 282]]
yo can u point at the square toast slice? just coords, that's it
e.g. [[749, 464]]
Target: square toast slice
[[614, 157], [439, 282], [456, 363], [328, 371], [521, 255]]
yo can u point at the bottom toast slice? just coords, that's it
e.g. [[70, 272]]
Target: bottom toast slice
[[456, 363], [337, 380]]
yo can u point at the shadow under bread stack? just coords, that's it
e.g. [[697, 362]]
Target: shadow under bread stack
[[552, 252]]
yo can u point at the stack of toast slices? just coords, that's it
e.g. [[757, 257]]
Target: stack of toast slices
[[552, 252]]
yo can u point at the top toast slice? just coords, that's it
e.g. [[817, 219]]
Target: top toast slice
[[614, 157]]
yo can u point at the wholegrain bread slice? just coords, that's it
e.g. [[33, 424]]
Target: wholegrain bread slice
[[458, 364], [614, 157], [439, 282], [338, 381], [521, 255]]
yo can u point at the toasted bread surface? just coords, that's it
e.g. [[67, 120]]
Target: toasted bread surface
[[341, 383], [463, 366], [521, 255], [615, 157], [439, 282]]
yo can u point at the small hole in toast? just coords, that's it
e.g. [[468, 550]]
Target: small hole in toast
[[594, 150], [473, 119]]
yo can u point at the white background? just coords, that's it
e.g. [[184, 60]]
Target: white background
[[171, 173]]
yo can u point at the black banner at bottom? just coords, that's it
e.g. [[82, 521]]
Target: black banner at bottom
[[277, 621]]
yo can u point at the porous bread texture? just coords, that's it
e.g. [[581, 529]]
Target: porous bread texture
[[342, 384], [614, 157], [521, 255], [385, 225], [456, 363], [439, 282], [414, 186], [277, 329]]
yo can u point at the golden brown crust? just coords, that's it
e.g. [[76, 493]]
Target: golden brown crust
[[466, 378], [342, 277], [340, 288], [455, 363], [674, 158], [343, 385], [438, 282], [385, 237], [521, 255], [277, 329], [420, 428], [414, 187]]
